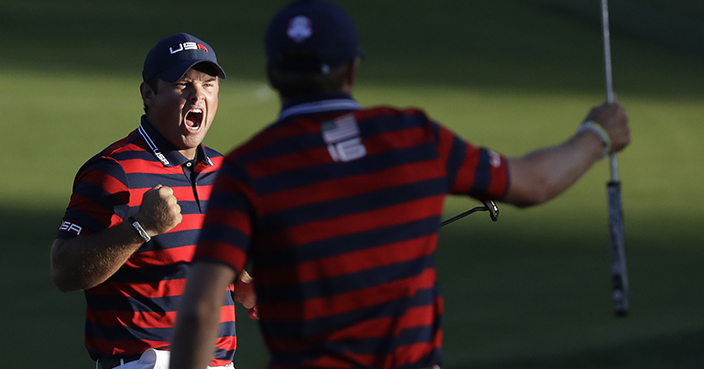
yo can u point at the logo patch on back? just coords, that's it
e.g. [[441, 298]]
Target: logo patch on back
[[299, 29], [342, 137]]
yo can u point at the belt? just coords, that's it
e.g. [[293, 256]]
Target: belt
[[111, 362]]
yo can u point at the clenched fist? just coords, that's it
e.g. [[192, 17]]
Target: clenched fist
[[159, 211], [615, 121]]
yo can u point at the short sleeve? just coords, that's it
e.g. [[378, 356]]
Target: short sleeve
[[475, 171], [100, 198]]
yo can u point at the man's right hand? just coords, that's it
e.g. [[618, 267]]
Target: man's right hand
[[615, 121], [159, 211]]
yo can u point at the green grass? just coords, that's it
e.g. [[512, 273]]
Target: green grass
[[529, 291]]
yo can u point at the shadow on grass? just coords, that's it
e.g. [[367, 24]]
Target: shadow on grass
[[676, 351], [536, 293], [515, 297], [40, 324]]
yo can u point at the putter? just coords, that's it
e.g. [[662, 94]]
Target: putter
[[618, 254], [489, 206]]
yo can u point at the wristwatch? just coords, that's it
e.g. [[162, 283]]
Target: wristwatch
[[140, 229]]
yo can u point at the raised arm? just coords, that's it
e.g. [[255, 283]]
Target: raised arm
[[541, 175], [87, 260]]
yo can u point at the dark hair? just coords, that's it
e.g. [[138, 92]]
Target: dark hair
[[154, 85], [291, 84]]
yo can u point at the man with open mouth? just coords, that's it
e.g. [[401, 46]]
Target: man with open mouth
[[129, 232]]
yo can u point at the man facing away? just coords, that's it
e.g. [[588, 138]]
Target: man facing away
[[130, 229], [338, 209]]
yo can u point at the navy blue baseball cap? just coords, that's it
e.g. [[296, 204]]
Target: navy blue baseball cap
[[311, 36], [173, 56]]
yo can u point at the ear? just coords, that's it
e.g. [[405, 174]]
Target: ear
[[147, 94], [350, 75]]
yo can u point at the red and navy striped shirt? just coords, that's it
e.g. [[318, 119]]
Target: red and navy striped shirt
[[338, 209], [135, 309]]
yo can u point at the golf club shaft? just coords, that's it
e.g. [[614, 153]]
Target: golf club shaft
[[607, 51], [489, 206], [462, 215], [609, 74]]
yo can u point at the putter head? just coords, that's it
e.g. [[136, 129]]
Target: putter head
[[493, 209]]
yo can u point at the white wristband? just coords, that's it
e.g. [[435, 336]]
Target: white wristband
[[601, 132], [142, 233]]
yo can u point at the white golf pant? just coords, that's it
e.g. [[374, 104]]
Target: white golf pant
[[155, 359]]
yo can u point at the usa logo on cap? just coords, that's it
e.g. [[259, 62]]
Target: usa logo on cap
[[188, 46], [299, 29]]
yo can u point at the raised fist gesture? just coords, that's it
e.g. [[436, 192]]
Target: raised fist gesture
[[159, 211]]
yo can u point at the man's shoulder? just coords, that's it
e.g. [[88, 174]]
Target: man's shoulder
[[121, 149], [119, 153]]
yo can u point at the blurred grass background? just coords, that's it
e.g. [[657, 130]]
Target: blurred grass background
[[529, 291]]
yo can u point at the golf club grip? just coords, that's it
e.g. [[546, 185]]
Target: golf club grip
[[618, 252]]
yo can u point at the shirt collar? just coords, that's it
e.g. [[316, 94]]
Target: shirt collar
[[164, 150], [318, 104]]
